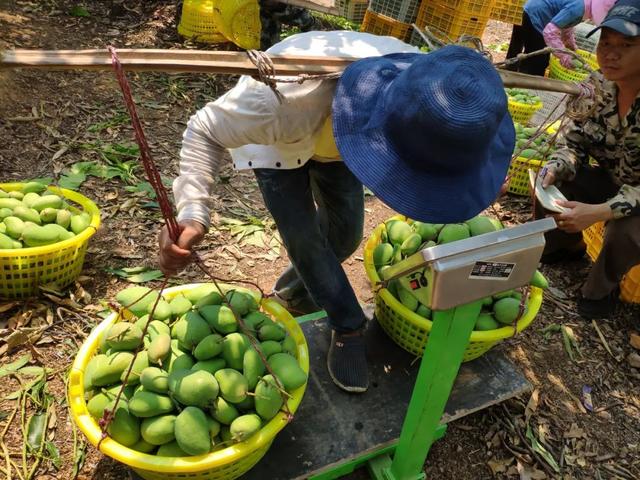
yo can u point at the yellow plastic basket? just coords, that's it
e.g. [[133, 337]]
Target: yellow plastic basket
[[239, 21], [557, 71], [522, 112], [519, 174], [225, 464], [508, 11], [23, 270], [411, 331], [630, 284], [198, 21], [379, 24], [450, 20]]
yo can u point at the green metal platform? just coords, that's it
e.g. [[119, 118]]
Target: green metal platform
[[334, 432]]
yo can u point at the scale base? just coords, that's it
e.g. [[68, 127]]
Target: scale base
[[334, 432]]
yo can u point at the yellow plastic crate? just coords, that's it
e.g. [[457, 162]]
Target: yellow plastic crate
[[630, 284], [519, 174], [23, 270], [508, 11], [411, 331], [226, 464], [380, 25], [198, 22], [557, 71], [239, 21], [522, 112], [448, 21]]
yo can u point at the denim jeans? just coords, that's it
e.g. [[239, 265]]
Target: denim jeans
[[319, 211]]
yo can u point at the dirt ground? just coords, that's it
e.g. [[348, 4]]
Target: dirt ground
[[51, 122]]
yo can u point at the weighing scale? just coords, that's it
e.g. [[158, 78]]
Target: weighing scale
[[391, 427]]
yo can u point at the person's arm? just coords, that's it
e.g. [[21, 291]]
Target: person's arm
[[626, 203], [245, 115], [558, 33], [571, 153], [242, 116]]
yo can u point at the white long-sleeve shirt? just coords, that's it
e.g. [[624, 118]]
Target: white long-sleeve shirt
[[259, 131]]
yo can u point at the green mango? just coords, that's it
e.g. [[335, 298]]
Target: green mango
[[33, 187], [480, 225], [268, 399], [171, 449], [411, 244], [192, 431], [233, 348], [209, 347], [254, 320], [143, 447], [244, 427], [485, 321], [220, 318], [48, 215], [136, 299], [190, 330], [6, 242], [180, 305], [382, 254], [109, 371], [453, 232], [289, 346], [124, 427], [212, 365], [154, 379], [124, 336], [506, 310], [270, 347], [146, 404], [27, 214], [140, 362], [162, 312], [233, 385], [272, 331], [223, 411], [159, 349], [407, 299], [158, 430], [196, 388], [286, 368], [539, 281], [47, 201], [63, 218], [15, 226], [252, 367], [241, 303], [398, 232], [426, 231], [78, 223]]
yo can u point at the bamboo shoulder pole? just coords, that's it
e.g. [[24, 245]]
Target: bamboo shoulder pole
[[220, 62]]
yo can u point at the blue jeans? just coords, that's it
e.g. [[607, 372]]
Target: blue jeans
[[318, 238]]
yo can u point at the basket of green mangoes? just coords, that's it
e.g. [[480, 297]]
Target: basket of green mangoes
[[44, 234], [199, 401], [406, 320], [578, 72], [532, 154], [522, 104]]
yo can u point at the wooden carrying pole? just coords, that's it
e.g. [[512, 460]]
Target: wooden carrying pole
[[219, 62]]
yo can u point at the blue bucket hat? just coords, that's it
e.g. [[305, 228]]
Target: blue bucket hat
[[624, 17], [429, 134]]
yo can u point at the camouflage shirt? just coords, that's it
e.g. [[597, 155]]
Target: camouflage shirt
[[613, 143]]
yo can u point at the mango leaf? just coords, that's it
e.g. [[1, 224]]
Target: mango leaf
[[54, 454], [136, 274], [540, 450], [79, 11], [72, 180], [35, 431], [14, 366], [43, 180]]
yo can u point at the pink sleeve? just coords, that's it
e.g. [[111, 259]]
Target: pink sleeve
[[553, 35], [569, 38]]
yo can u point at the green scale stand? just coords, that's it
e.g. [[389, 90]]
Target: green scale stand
[[391, 428]]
